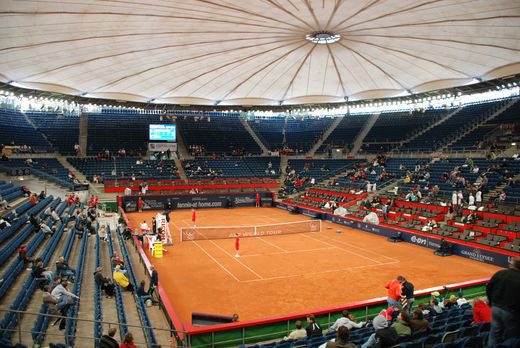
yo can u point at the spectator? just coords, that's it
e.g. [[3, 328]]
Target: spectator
[[341, 341], [116, 261], [154, 280], [417, 322], [394, 293], [121, 280], [128, 341], [299, 332], [102, 233], [41, 272], [62, 294], [461, 300], [402, 324], [407, 296], [345, 321], [3, 203], [481, 311], [46, 229], [234, 318], [384, 336], [313, 329], [434, 307], [143, 294], [452, 302], [108, 341], [105, 283], [51, 303], [502, 292], [64, 269], [22, 255]]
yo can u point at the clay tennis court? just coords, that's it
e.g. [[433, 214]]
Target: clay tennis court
[[282, 274]]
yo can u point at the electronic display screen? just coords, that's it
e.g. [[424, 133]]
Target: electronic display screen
[[164, 132]]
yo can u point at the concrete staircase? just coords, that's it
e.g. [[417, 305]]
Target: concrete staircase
[[246, 125], [435, 124], [363, 133], [317, 145]]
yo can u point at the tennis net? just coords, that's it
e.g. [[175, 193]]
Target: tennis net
[[198, 233]]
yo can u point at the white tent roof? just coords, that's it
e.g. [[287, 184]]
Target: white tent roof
[[254, 52]]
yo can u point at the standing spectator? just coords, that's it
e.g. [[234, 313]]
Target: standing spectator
[[154, 225], [502, 292], [407, 297], [139, 204], [299, 332], [128, 341], [108, 341], [313, 329], [22, 255], [154, 280], [481, 311], [394, 293]]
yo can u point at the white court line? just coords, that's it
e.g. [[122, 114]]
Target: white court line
[[360, 248], [289, 252], [276, 246], [319, 272], [221, 266], [352, 252], [235, 258]]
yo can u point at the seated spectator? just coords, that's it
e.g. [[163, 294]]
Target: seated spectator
[[3, 203], [461, 300], [434, 307], [42, 272], [106, 284], [345, 321], [116, 261], [121, 280], [55, 282], [313, 329], [341, 341], [402, 324], [62, 294], [299, 332], [46, 229], [481, 311], [51, 303], [22, 255], [128, 341], [417, 322], [64, 269], [4, 223], [384, 336], [34, 221], [102, 233], [452, 302], [142, 294]]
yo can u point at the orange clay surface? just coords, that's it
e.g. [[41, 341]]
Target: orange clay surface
[[292, 273]]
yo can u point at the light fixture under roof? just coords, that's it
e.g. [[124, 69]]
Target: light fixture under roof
[[323, 37]]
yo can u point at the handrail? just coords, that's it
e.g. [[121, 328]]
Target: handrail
[[59, 334]]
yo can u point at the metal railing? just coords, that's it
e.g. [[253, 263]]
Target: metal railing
[[22, 333]]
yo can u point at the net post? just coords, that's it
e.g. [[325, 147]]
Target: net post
[[182, 232]]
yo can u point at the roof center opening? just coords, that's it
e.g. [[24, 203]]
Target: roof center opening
[[323, 37]]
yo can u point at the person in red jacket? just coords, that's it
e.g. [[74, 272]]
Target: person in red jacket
[[70, 200], [394, 293], [139, 204], [481, 311]]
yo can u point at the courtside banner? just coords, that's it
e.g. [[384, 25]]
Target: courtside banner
[[195, 201], [466, 251]]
